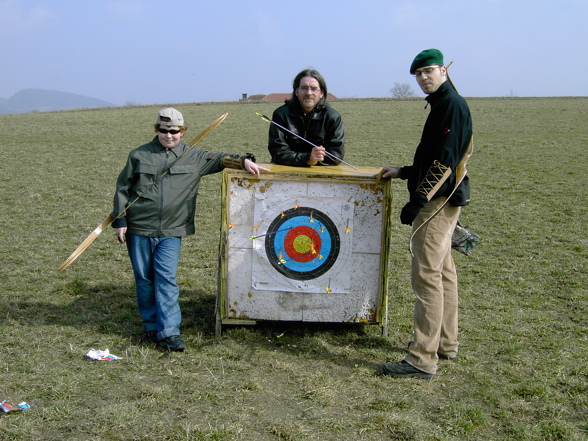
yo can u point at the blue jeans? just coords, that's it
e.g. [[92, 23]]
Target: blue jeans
[[155, 262]]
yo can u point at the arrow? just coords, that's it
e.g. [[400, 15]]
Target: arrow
[[269, 234], [265, 118]]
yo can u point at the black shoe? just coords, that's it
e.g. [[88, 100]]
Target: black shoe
[[446, 356], [151, 336], [173, 343], [401, 369]]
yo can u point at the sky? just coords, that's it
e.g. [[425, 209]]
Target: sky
[[152, 52]]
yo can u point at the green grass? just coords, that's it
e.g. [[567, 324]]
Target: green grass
[[522, 372]]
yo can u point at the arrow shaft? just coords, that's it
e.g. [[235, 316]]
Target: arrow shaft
[[306, 140], [273, 232]]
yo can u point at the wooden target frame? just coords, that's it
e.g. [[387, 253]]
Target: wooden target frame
[[306, 244]]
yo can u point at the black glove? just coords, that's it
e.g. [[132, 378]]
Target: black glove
[[409, 213], [249, 156], [412, 209]]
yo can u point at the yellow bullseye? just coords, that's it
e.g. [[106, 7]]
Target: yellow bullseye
[[302, 244]]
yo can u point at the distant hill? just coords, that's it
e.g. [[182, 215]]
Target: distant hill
[[40, 100]]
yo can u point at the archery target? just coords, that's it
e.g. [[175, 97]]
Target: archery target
[[305, 244], [299, 250]]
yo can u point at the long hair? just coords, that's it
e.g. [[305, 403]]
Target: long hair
[[296, 83]]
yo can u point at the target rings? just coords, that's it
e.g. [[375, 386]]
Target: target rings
[[302, 243]]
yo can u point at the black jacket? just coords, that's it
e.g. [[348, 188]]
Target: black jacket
[[446, 137], [322, 126]]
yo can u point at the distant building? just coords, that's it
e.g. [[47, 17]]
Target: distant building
[[276, 97], [252, 97]]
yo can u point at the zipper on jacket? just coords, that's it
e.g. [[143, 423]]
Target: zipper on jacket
[[161, 192], [306, 124]]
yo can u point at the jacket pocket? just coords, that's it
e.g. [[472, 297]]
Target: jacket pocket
[[145, 177], [182, 176]]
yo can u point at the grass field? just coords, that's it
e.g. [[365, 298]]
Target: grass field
[[522, 371]]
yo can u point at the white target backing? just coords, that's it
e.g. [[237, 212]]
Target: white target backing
[[303, 243]]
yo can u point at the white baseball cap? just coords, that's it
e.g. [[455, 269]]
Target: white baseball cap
[[170, 117]]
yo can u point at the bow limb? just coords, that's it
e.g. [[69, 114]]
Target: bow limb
[[86, 243], [109, 220], [207, 130], [460, 173]]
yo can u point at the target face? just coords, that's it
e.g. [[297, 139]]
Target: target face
[[301, 247], [302, 243]]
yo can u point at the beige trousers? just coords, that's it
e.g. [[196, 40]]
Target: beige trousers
[[434, 283]]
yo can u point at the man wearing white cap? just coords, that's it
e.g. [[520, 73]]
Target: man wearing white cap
[[164, 174]]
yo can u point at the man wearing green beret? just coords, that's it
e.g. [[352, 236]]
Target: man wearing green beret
[[433, 210]]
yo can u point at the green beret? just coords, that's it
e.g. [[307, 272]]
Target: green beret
[[427, 57]]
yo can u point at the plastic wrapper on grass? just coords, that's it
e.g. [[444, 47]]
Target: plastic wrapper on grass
[[7, 407], [101, 355]]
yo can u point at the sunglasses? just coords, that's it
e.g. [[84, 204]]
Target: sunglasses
[[166, 131]]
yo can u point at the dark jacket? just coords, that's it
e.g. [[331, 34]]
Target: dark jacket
[[322, 126], [446, 137], [167, 208]]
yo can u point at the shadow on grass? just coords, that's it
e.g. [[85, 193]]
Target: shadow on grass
[[320, 341], [109, 309]]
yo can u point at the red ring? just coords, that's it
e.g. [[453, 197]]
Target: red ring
[[289, 243]]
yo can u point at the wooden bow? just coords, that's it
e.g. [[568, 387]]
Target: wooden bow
[[109, 220], [460, 173]]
